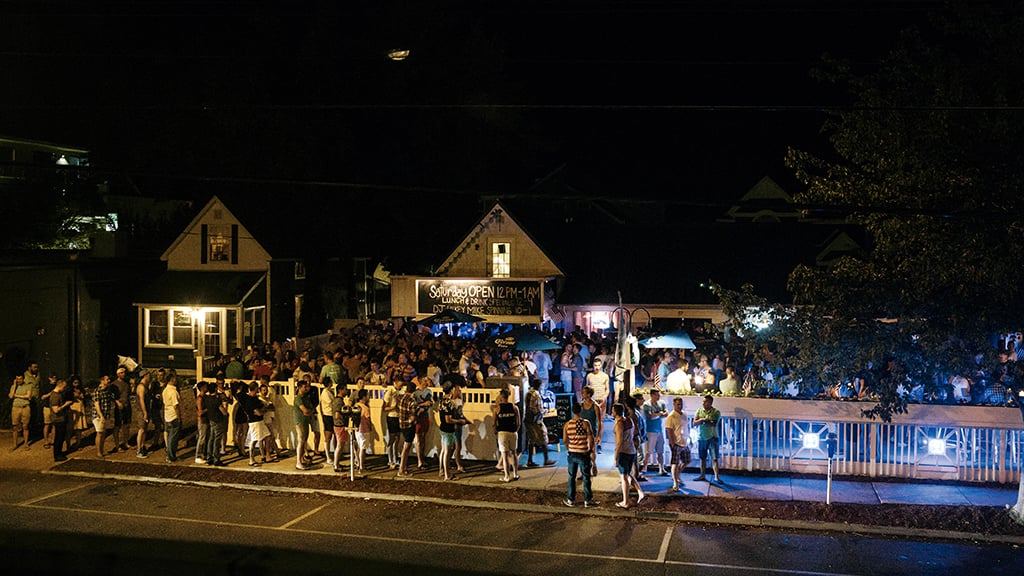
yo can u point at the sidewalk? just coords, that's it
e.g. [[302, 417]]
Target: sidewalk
[[770, 486]]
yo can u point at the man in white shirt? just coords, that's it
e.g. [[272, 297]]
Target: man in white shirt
[[598, 380], [677, 432], [679, 380]]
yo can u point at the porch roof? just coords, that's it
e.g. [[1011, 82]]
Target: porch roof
[[191, 288]]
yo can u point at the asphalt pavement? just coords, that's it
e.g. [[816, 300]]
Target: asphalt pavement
[[848, 490]]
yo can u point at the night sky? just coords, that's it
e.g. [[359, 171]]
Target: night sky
[[689, 101]]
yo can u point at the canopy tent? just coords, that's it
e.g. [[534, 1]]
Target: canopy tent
[[674, 339]]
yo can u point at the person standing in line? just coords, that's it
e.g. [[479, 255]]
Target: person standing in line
[[215, 404], [364, 433], [143, 413], [59, 409], [654, 411], [391, 398], [424, 401], [123, 414], [633, 404], [303, 412], [202, 423], [340, 414], [625, 455], [258, 432], [172, 415], [270, 418], [103, 413], [156, 408], [506, 424], [677, 432], [592, 413], [21, 409], [536, 431], [327, 384], [599, 383], [46, 390], [451, 418], [707, 418], [407, 425], [579, 442]]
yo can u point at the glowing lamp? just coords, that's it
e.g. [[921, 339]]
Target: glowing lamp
[[937, 446], [811, 441]]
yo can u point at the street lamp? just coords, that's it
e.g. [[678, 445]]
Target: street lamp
[[624, 321]]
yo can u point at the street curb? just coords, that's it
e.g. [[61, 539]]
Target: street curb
[[804, 525]]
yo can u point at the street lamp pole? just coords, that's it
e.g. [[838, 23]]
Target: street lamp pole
[[623, 356]]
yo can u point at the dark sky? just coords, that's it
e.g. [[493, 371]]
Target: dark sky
[[686, 100]]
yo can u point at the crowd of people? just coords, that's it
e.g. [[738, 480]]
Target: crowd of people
[[142, 409]]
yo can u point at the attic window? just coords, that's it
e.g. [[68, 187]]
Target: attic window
[[501, 259], [218, 214], [220, 244]]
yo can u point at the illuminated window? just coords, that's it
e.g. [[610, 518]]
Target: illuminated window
[[171, 327], [219, 244], [501, 260]]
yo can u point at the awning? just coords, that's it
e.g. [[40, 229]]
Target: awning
[[190, 288]]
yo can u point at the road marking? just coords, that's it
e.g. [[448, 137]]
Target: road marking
[[32, 501], [759, 569], [436, 543], [663, 553], [287, 525]]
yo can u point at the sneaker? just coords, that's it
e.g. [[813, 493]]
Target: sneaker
[[590, 503], [569, 503], [200, 460], [141, 455], [701, 477], [60, 458], [674, 489], [301, 467], [532, 464], [549, 462]]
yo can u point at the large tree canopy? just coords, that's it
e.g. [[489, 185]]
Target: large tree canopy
[[929, 162]]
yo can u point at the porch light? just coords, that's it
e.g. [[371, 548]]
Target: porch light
[[937, 446]]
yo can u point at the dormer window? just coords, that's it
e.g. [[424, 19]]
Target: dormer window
[[501, 259]]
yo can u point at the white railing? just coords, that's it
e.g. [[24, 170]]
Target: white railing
[[969, 443]]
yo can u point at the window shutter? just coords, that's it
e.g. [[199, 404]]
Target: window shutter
[[234, 243], [203, 247]]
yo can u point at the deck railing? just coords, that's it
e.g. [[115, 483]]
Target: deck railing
[[966, 443]]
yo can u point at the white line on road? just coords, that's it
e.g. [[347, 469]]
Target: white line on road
[[663, 553], [32, 501], [439, 543], [287, 525]]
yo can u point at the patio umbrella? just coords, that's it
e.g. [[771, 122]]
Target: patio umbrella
[[674, 339], [524, 338], [449, 316]]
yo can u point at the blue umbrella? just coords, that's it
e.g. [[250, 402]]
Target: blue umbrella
[[674, 339], [524, 338]]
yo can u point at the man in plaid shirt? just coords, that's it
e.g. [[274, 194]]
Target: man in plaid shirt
[[407, 424]]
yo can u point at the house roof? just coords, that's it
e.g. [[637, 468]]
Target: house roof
[[194, 288]]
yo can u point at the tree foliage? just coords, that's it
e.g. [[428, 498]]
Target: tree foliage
[[929, 163]]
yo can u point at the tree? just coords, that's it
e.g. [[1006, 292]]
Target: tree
[[928, 162]]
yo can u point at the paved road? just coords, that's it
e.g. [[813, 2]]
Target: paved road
[[63, 525]]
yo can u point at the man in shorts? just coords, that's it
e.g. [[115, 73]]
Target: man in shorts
[[21, 409], [677, 432], [707, 418]]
